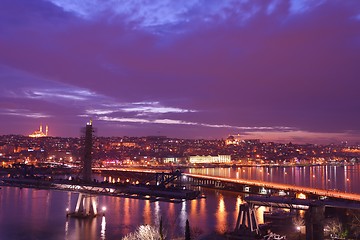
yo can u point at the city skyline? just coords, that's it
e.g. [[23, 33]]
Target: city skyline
[[277, 71]]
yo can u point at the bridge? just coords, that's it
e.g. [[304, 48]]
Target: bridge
[[279, 195], [268, 188]]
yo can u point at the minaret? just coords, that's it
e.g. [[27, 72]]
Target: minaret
[[40, 130], [46, 130], [88, 152]]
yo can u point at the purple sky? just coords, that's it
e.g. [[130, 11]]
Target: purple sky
[[276, 70]]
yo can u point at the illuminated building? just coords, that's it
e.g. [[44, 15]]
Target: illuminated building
[[233, 140], [40, 133], [210, 159]]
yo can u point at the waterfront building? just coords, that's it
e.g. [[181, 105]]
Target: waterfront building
[[210, 159], [171, 160]]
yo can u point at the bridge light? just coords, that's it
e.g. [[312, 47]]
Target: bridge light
[[301, 196], [103, 209]]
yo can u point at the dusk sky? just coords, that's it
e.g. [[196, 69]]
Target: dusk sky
[[278, 70]]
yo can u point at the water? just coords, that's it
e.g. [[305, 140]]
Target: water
[[342, 178], [41, 214]]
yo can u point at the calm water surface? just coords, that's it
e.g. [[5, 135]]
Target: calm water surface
[[41, 214], [342, 178]]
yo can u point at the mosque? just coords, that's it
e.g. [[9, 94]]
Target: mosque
[[40, 133]]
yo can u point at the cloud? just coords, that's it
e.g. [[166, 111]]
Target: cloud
[[58, 94], [181, 122], [161, 13], [23, 113], [88, 103], [298, 136], [214, 66], [301, 6]]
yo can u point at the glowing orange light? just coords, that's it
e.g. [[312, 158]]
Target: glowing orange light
[[300, 196]]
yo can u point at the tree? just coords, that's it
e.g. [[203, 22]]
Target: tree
[[187, 230], [144, 232], [334, 228], [298, 221], [355, 222]]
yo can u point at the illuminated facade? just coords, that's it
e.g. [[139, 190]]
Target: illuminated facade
[[40, 133], [233, 140], [171, 160], [210, 159]]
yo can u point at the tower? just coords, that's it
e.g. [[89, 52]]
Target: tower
[[86, 205], [40, 129], [246, 224], [88, 152], [46, 130]]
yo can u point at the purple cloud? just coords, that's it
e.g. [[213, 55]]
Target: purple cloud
[[208, 68]]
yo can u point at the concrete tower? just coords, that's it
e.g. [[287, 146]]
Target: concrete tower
[[86, 205], [88, 152]]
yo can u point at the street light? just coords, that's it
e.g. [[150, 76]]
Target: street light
[[103, 210]]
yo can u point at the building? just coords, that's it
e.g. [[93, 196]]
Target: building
[[210, 159], [233, 140], [40, 133]]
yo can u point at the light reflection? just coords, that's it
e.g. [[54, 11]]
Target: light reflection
[[157, 211], [323, 177], [346, 179], [237, 207], [259, 213], [147, 212], [183, 215], [103, 228], [221, 215], [202, 210], [127, 215], [193, 207], [66, 229], [302, 214]]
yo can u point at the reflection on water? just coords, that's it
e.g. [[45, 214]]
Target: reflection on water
[[343, 178], [183, 215], [221, 215], [103, 228], [40, 214], [22, 215], [260, 214], [147, 212]]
